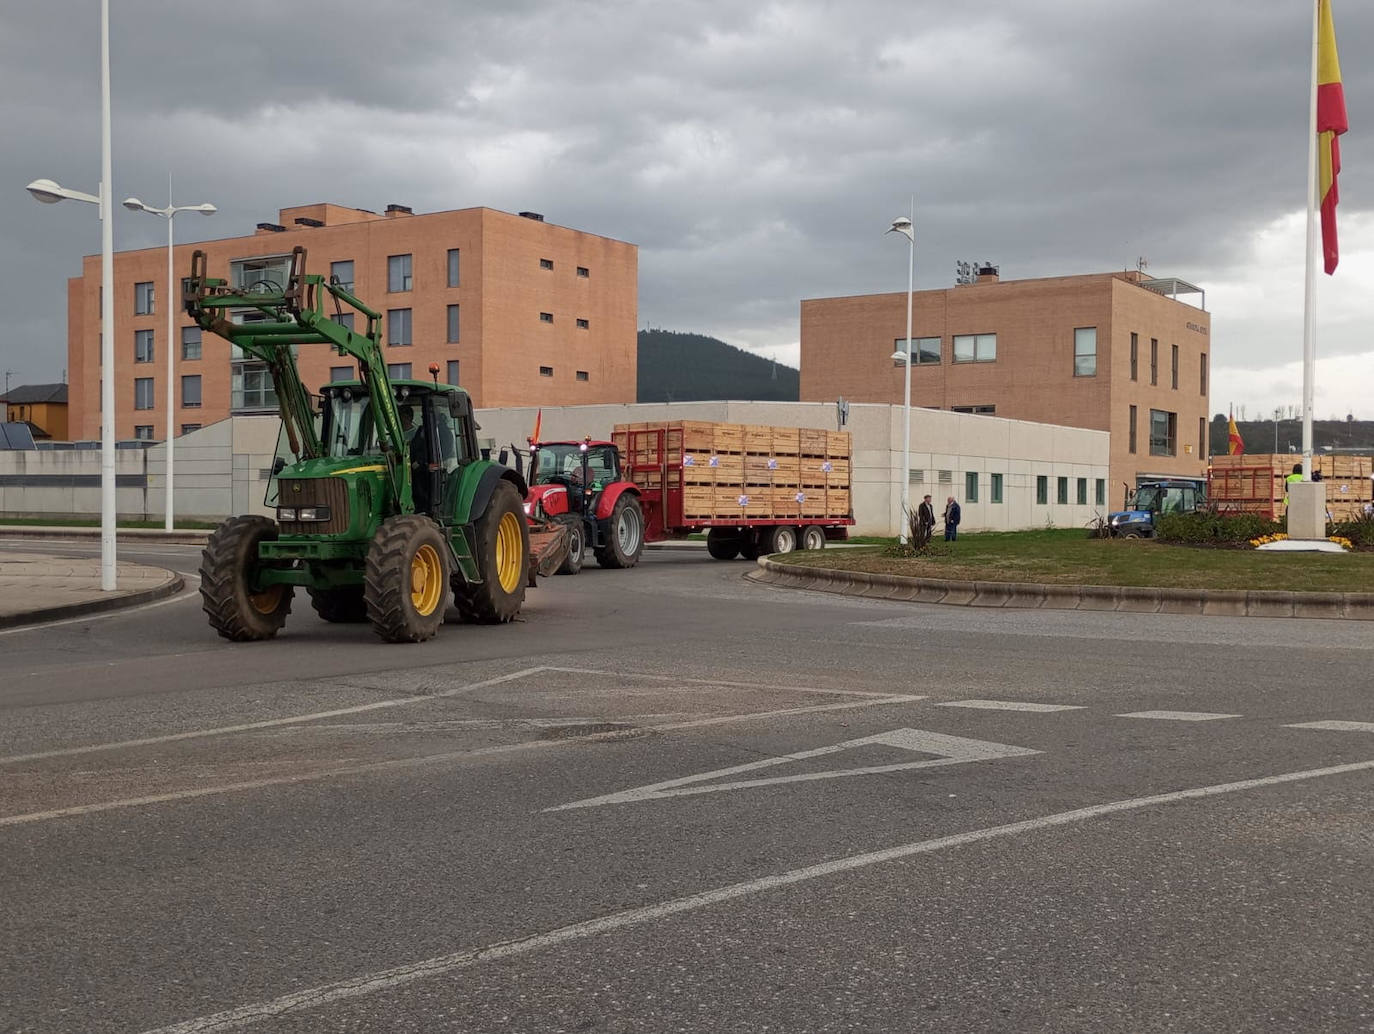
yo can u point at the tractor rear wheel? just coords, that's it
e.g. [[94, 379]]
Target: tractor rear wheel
[[407, 579], [345, 605], [624, 534], [577, 543], [503, 557], [228, 572]]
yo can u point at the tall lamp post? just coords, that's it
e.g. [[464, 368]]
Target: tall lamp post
[[169, 213], [49, 193], [905, 227]]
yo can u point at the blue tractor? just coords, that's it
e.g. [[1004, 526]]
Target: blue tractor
[[1152, 498]]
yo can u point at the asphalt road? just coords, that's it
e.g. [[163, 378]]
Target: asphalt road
[[672, 800]]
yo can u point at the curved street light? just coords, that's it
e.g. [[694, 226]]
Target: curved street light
[[905, 227]]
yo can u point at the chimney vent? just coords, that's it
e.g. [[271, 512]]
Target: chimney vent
[[398, 210], [272, 227], [536, 216], [302, 220]]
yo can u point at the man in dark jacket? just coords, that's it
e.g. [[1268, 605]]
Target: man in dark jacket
[[952, 517], [925, 515]]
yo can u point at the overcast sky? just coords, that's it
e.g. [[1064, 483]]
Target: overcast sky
[[755, 152]]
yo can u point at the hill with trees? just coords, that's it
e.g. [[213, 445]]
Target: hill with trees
[[1260, 435], [684, 367]]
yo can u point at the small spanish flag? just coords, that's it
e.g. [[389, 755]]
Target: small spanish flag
[[1235, 444], [1331, 123], [538, 421]]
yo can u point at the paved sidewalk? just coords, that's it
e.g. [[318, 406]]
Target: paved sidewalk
[[36, 587]]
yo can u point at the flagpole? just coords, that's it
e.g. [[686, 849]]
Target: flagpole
[[1309, 349]]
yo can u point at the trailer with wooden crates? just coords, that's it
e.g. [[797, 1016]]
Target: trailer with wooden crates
[[1257, 483], [753, 489]]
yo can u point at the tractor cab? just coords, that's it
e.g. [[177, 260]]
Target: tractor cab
[[582, 487], [1149, 501], [577, 471]]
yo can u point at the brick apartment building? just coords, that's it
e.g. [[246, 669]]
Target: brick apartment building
[[1115, 351], [517, 310]]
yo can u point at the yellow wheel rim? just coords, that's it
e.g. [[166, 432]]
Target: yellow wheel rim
[[426, 580], [510, 559], [268, 600]]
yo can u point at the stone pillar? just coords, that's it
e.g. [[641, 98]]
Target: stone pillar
[[1307, 510]]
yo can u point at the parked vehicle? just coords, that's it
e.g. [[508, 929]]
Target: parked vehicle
[[1151, 499]]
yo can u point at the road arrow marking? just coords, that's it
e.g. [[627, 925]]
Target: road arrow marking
[[949, 750]]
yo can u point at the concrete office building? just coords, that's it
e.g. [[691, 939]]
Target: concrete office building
[[515, 309], [1117, 352]]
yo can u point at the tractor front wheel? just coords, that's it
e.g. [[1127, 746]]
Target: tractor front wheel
[[624, 534], [577, 543], [345, 605], [407, 579], [503, 557], [237, 608]]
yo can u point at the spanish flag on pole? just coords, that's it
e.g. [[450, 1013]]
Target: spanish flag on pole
[[1235, 444], [1331, 123], [538, 423]]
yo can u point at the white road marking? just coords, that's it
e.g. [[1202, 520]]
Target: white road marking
[[1179, 716], [1334, 726], [949, 750], [440, 965], [1010, 705], [190, 587]]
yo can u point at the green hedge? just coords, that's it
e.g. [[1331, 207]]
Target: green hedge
[[1360, 531], [1206, 526]]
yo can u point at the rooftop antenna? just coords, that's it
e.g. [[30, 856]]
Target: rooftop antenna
[[8, 375], [1141, 265]]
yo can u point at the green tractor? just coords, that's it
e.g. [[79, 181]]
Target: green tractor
[[383, 501]]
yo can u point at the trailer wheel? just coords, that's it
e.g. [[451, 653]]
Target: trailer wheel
[[781, 539], [751, 548], [345, 605], [813, 537], [407, 579], [503, 557], [624, 534], [577, 543], [228, 568], [723, 544]]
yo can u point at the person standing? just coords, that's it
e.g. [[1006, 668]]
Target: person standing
[[925, 517], [952, 517]]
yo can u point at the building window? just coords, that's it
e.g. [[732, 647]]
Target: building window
[[453, 324], [1202, 437], [1062, 490], [143, 393], [583, 324], [1100, 492], [944, 477], [340, 373], [190, 391], [995, 490], [975, 348], [1135, 356], [1082, 491], [453, 371], [1163, 433], [453, 267], [583, 272], [143, 432], [250, 388], [971, 486], [546, 371], [343, 319], [190, 343], [1202, 374], [916, 477], [1154, 361], [398, 327], [583, 375], [398, 273], [1042, 490], [143, 346], [1085, 352], [188, 428], [1131, 432], [1173, 361], [926, 350], [976, 410], [143, 299], [545, 263], [268, 274], [341, 273], [546, 317], [398, 371]]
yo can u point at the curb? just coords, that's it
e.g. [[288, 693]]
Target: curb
[[1358, 606], [176, 538], [170, 587]]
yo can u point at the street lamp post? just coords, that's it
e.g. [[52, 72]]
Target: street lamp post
[[169, 213], [905, 226], [49, 193]]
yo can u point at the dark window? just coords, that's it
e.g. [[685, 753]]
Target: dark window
[[190, 391], [1135, 356], [398, 273], [250, 388], [1174, 366], [343, 319], [1131, 439], [453, 267], [1082, 491], [1042, 490], [546, 371], [268, 273], [546, 317], [1202, 437], [1062, 490], [143, 393], [583, 272], [342, 373], [398, 371], [582, 375], [975, 348], [188, 428], [453, 324], [976, 410], [925, 349], [971, 486], [398, 327], [1085, 352], [545, 263], [143, 298], [190, 343], [342, 274], [453, 371], [143, 432], [1202, 374], [143, 346], [1100, 492], [1154, 360], [583, 324], [995, 491], [1163, 433]]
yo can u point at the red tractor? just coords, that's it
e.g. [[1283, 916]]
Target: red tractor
[[582, 486]]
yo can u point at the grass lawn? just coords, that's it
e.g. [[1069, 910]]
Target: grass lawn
[[1069, 557], [82, 522]]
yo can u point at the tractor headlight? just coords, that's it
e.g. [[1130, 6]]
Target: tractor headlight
[[529, 509], [286, 513], [312, 513]]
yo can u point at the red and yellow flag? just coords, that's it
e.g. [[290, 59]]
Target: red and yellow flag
[[1235, 444], [1331, 123], [538, 420]]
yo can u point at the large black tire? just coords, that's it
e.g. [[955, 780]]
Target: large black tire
[[624, 534], [812, 538], [346, 605], [779, 539], [227, 568], [503, 558], [577, 543], [751, 548], [406, 584], [723, 543]]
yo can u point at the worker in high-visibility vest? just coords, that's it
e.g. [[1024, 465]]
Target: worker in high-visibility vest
[[1289, 480]]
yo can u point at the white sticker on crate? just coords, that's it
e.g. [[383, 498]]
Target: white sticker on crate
[[715, 461], [772, 464], [744, 500], [827, 466], [689, 461]]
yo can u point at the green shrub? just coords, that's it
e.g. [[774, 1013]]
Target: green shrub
[[1359, 531], [1208, 526]]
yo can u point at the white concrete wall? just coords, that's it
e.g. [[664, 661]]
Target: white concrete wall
[[66, 483]]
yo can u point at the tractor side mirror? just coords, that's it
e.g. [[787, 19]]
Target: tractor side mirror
[[278, 466], [503, 458], [455, 405]]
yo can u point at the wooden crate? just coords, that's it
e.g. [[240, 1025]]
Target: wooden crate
[[786, 441], [812, 441], [758, 440], [837, 444]]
